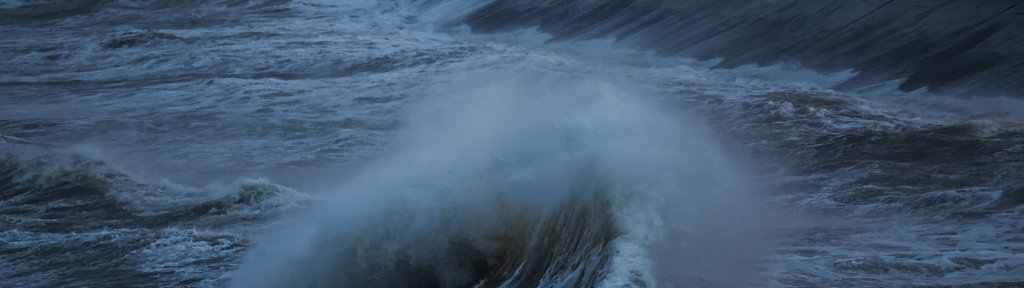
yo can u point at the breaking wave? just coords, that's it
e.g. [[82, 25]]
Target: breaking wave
[[519, 182]]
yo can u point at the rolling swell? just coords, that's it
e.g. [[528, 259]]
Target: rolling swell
[[71, 193], [78, 191], [70, 220], [937, 44]]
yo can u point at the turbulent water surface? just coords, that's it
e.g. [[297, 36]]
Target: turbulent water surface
[[455, 143]]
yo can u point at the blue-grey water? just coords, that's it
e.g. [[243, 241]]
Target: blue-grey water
[[534, 143]]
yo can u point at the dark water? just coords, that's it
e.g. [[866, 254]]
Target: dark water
[[933, 44], [511, 144]]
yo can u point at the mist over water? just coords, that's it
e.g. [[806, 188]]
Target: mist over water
[[510, 144]]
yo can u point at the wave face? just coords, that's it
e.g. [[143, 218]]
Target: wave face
[[943, 44]]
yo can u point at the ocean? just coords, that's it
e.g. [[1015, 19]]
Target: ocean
[[492, 143]]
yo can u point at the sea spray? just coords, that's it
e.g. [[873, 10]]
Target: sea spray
[[507, 181]]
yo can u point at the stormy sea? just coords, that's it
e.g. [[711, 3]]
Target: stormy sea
[[511, 143]]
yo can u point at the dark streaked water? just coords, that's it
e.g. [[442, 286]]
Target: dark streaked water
[[938, 44], [510, 144]]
